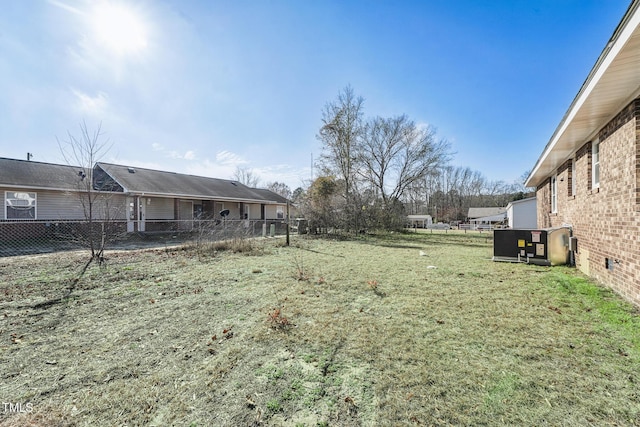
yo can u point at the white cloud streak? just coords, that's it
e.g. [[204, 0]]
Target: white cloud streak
[[228, 158], [91, 105], [65, 7]]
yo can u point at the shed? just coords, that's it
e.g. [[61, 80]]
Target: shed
[[522, 213], [421, 221]]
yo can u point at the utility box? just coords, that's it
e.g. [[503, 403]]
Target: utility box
[[549, 246]]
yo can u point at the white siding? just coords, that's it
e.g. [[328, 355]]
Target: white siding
[[110, 206], [522, 214], [271, 211], [254, 210], [159, 208], [66, 205], [234, 210]]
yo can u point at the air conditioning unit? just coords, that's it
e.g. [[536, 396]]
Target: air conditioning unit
[[548, 246]]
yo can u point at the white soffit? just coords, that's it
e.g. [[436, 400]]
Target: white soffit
[[612, 84]]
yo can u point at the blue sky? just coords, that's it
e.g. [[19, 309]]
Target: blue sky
[[202, 87]]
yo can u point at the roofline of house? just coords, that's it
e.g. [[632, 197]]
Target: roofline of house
[[182, 196], [515, 202], [34, 187], [42, 163], [528, 199], [613, 46], [199, 197], [128, 192], [66, 190], [168, 172]]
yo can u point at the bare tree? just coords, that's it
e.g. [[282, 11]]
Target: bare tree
[[280, 188], [84, 151], [341, 130], [246, 176], [395, 154]]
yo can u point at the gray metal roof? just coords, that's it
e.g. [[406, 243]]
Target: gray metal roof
[[490, 218], [171, 184], [270, 195], [28, 174], [36, 175], [483, 212]]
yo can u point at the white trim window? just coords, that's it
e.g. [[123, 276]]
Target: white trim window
[[554, 194], [280, 212], [20, 205], [595, 164]]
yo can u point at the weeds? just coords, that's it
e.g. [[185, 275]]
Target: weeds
[[274, 406], [277, 320], [300, 273], [373, 285], [209, 239]]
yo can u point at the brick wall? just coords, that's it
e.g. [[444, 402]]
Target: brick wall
[[604, 219]]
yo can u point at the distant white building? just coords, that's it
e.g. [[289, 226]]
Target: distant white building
[[522, 213], [420, 221], [479, 217]]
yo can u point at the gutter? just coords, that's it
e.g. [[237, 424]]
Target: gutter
[[197, 197]]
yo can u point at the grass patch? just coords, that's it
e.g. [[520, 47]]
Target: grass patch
[[394, 329]]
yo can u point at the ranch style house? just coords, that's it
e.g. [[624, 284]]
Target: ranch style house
[[588, 175], [36, 195]]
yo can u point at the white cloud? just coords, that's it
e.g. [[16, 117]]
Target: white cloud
[[211, 169], [189, 155], [65, 6], [91, 105], [228, 158], [294, 177], [173, 154]]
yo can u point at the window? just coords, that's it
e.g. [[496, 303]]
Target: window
[[554, 193], [280, 212], [574, 177], [595, 165], [20, 205]]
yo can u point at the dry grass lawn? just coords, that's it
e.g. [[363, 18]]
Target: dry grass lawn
[[416, 329]]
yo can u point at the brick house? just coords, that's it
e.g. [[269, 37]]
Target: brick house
[[588, 175]]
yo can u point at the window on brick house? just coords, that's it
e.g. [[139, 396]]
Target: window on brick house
[[574, 178], [554, 194], [19, 205], [595, 164]]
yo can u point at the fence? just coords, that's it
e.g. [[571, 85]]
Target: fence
[[479, 227], [27, 237]]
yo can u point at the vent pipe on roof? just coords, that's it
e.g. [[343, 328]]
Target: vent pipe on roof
[[29, 156]]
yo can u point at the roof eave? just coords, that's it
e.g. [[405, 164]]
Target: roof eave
[[627, 28], [39, 187], [199, 197]]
